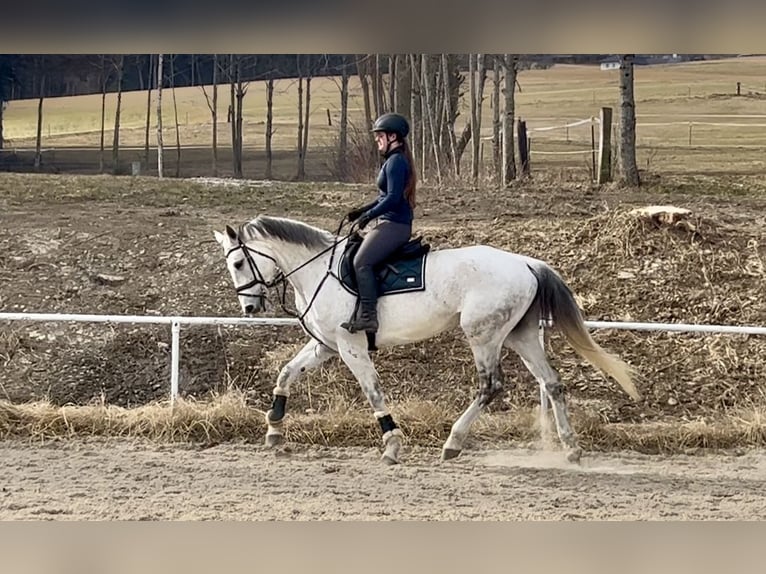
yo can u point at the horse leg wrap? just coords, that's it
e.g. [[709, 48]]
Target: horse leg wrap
[[277, 411], [387, 424]]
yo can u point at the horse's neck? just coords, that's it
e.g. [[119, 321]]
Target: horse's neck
[[306, 267]]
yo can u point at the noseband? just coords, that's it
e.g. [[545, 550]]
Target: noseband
[[258, 278]]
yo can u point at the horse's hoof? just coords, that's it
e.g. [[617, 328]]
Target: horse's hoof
[[273, 440], [450, 453], [574, 455], [389, 460]]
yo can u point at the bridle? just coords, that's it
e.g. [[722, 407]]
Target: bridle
[[280, 279]]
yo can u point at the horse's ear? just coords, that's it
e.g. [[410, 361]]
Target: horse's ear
[[230, 232], [218, 236]]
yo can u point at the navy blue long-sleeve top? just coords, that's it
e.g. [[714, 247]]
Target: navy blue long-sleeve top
[[391, 204]]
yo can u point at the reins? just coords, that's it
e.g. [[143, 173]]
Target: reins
[[281, 278]]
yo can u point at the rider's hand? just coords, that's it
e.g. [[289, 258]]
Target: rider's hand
[[354, 214], [363, 221]]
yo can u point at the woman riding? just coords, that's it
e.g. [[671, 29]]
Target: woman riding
[[393, 210]]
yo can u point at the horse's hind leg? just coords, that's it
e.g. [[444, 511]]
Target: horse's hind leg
[[309, 357], [486, 353], [525, 341]]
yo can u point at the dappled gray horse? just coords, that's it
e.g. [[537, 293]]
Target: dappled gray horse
[[496, 297]]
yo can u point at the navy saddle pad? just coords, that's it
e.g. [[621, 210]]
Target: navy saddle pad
[[403, 272]]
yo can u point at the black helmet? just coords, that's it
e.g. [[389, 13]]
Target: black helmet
[[392, 123]]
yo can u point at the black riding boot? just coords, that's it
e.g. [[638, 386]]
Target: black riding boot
[[367, 317]]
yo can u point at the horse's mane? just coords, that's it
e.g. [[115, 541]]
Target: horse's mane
[[288, 230]]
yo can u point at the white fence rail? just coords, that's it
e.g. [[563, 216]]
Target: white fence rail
[[175, 323]]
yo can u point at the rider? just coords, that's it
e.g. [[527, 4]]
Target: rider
[[394, 210]]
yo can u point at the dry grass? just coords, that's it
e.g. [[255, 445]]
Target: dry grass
[[227, 417]]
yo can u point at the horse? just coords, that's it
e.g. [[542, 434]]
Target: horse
[[498, 299]]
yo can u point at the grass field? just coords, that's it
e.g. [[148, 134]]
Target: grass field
[[727, 133]]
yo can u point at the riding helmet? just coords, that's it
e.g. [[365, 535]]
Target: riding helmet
[[392, 123]]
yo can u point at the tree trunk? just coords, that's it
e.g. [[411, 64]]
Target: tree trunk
[[392, 77], [304, 153], [148, 108], [428, 113], [269, 125], [116, 138], [628, 167], [343, 135], [472, 58], [175, 115], [415, 112], [301, 166], [104, 79], [377, 86], [214, 114], [236, 119], [496, 163], [160, 172], [39, 139], [239, 98], [450, 115], [403, 85], [509, 161], [361, 70]]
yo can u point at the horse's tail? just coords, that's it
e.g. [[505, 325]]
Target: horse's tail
[[556, 302]]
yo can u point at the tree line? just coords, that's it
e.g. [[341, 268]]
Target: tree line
[[427, 88]]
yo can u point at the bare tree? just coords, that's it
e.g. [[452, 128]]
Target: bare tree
[[39, 139], [238, 89], [149, 82], [160, 152], [510, 63], [343, 132], [212, 105], [269, 124], [104, 74], [361, 69], [628, 168], [429, 113], [301, 172], [120, 66], [175, 114], [415, 111], [307, 111], [450, 114], [475, 66], [496, 163], [392, 81]]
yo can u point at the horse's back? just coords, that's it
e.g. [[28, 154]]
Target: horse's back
[[482, 267]]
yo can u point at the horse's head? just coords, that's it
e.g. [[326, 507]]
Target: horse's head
[[252, 271]]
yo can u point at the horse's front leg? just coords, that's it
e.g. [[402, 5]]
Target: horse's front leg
[[309, 357], [353, 352]]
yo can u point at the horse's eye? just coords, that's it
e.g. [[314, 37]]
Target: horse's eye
[[238, 265]]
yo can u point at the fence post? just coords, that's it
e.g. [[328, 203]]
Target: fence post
[[605, 147], [175, 329]]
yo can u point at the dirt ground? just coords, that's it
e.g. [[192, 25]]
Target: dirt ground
[[117, 480], [143, 246]]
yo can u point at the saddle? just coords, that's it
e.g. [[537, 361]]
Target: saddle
[[402, 272]]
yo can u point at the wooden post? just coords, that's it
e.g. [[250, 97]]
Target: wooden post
[[605, 147], [329, 118], [738, 89], [521, 133]]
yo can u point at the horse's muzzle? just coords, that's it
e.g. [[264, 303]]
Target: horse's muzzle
[[258, 305]]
